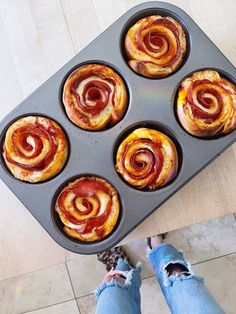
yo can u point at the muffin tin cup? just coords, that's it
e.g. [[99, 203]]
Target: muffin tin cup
[[154, 125], [58, 223], [2, 139], [151, 102]]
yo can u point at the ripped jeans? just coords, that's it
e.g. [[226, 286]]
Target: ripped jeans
[[185, 293]]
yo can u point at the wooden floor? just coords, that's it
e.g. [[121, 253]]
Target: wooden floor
[[37, 38]]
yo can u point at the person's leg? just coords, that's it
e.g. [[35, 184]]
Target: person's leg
[[123, 265], [119, 291], [184, 292]]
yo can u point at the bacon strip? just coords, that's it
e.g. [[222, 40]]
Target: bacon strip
[[36, 132], [206, 104], [154, 163], [147, 159], [94, 97], [86, 207], [155, 46], [204, 100]]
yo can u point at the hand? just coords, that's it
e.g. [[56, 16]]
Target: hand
[[114, 274]]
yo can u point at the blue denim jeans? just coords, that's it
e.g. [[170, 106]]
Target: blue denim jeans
[[185, 293]]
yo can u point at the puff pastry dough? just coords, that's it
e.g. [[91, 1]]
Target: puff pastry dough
[[89, 208], [155, 46], [206, 104], [95, 97], [35, 149], [147, 159]]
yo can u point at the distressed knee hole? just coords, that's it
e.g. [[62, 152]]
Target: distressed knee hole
[[176, 269]]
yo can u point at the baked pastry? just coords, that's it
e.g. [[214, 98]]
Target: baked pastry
[[155, 46], [147, 159], [35, 149], [89, 208], [206, 104], [95, 97]]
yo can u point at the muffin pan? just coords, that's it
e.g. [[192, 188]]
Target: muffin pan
[[151, 104]]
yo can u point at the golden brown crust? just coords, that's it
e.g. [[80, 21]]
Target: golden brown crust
[[147, 159], [206, 104], [89, 208], [35, 149], [155, 46], [95, 97]]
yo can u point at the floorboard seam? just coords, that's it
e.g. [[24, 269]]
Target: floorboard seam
[[72, 286], [31, 272], [44, 307], [68, 28], [212, 259]]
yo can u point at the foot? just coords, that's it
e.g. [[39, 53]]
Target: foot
[[155, 241], [110, 257]]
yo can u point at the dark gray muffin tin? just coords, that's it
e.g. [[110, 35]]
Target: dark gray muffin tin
[[151, 104]]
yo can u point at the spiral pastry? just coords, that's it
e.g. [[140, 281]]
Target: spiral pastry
[[206, 104], [94, 97], [147, 159], [35, 149], [155, 46], [89, 208]]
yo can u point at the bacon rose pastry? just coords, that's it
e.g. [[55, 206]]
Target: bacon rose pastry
[[206, 104], [155, 46], [35, 149], [95, 97], [147, 159], [89, 208]]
